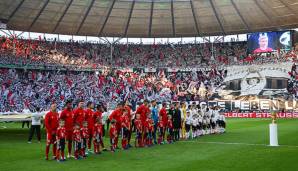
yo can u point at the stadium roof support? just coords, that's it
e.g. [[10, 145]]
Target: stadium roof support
[[217, 18], [173, 18], [15, 10], [151, 16], [194, 17], [286, 5], [264, 12], [85, 16], [61, 17], [129, 17], [107, 17], [39, 13], [240, 15]]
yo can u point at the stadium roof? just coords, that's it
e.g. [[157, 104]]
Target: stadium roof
[[149, 18]]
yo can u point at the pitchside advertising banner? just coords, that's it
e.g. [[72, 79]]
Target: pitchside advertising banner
[[260, 115]]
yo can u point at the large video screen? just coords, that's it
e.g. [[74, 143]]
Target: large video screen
[[268, 41]]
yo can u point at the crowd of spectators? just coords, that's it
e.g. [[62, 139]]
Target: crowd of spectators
[[87, 55], [30, 88]]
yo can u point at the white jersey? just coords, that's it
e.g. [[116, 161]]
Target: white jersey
[[193, 112], [208, 114], [207, 121], [213, 119], [200, 119], [204, 121], [216, 114], [195, 122], [222, 118], [188, 120], [36, 118]]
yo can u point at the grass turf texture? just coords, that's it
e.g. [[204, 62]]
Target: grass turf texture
[[198, 154]]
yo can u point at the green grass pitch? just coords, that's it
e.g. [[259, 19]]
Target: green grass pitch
[[243, 147]]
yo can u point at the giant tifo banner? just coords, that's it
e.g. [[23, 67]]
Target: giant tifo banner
[[254, 79]]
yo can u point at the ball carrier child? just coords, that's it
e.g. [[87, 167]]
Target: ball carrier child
[[77, 139], [161, 130], [125, 127], [113, 135], [97, 136], [170, 132], [149, 128], [139, 131], [60, 137], [85, 138]]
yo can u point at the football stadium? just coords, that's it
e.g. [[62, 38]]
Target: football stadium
[[162, 85]]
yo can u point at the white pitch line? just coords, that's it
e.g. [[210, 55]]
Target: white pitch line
[[235, 143]]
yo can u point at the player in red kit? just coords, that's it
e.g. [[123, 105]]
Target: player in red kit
[[129, 114], [113, 135], [91, 121], [85, 138], [67, 116], [149, 130], [125, 124], [51, 124], [79, 114], [163, 113], [116, 115], [77, 139], [161, 128], [60, 137], [143, 110], [97, 136], [98, 115], [170, 127], [139, 131]]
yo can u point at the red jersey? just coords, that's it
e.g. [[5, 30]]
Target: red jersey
[[85, 132], [113, 131], [67, 116], [116, 114], [61, 133], [77, 135], [143, 111], [149, 124], [163, 114], [125, 122], [79, 116], [138, 125], [51, 122], [90, 118], [160, 124], [128, 111], [96, 115], [259, 50], [170, 124]]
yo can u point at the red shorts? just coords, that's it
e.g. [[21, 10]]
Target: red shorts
[[51, 139], [69, 135]]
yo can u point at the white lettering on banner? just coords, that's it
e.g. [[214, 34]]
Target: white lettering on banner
[[221, 104], [251, 105], [287, 105], [245, 105], [264, 105]]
